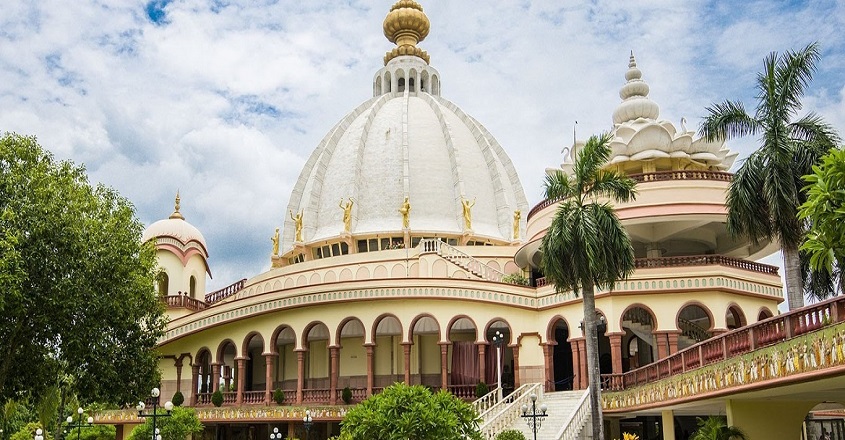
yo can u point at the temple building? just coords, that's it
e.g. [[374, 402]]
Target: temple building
[[408, 244]]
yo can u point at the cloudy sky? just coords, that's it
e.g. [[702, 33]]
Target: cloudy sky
[[224, 100]]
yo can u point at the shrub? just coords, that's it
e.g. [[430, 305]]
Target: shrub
[[481, 389], [516, 278], [346, 395], [279, 396], [217, 398], [510, 434], [178, 398]]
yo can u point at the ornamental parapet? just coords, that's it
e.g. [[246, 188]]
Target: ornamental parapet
[[804, 342], [235, 414]]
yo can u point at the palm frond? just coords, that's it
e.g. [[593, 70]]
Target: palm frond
[[593, 156], [767, 89], [610, 184], [813, 128], [818, 284], [558, 186], [747, 216], [727, 120], [794, 73], [781, 195]]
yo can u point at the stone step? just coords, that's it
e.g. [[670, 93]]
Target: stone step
[[560, 405]]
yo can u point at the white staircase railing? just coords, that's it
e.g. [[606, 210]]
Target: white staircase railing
[[572, 428], [485, 402], [462, 259], [502, 415]]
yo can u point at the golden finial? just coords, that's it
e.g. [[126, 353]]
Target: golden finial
[[176, 213], [406, 25]]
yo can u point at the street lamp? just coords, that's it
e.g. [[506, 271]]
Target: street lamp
[[39, 434], [275, 434], [534, 418], [307, 421], [168, 406], [498, 341], [79, 425]]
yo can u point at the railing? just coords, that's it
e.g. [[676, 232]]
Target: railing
[[692, 330], [253, 397], [225, 292], [502, 415], [540, 282], [204, 399], [740, 341], [316, 395], [466, 261], [358, 395], [704, 260], [487, 401], [657, 176], [230, 397], [185, 302], [464, 392], [575, 424]]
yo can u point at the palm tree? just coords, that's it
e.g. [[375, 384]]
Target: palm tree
[[586, 245], [715, 428], [765, 192]]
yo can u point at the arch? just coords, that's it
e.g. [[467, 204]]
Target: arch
[[289, 283], [380, 272], [562, 371], [439, 269], [511, 267], [345, 275], [462, 322], [412, 80], [363, 273], [204, 375], [424, 81], [163, 283], [764, 313], [203, 351], [495, 265], [277, 285], [389, 328], [550, 327], [192, 287], [315, 279], [435, 85], [377, 86], [248, 342], [355, 325], [494, 324], [734, 317], [426, 326], [637, 317], [301, 281], [285, 333], [315, 331], [398, 271], [388, 82], [695, 321], [692, 304], [222, 348], [329, 277]]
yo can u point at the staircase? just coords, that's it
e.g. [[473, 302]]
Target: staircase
[[461, 259], [642, 331], [562, 405]]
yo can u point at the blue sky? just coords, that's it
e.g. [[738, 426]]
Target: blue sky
[[224, 100]]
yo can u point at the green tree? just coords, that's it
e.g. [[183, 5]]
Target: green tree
[[77, 284], [825, 211], [181, 423], [765, 192], [510, 434], [586, 245], [715, 428], [411, 412]]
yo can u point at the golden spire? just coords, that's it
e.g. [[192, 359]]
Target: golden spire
[[176, 213], [406, 25]]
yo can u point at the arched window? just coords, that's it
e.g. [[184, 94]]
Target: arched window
[[163, 282], [193, 287], [401, 85]]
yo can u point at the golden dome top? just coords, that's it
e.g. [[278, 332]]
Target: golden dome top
[[406, 25]]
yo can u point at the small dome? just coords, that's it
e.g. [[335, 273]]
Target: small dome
[[175, 227]]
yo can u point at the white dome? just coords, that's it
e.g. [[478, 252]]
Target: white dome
[[176, 228], [407, 143]]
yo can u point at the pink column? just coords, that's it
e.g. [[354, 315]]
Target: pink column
[[406, 348], [195, 381], [241, 379], [215, 377], [482, 362], [334, 353], [576, 364], [268, 377], [616, 351], [300, 370], [370, 349], [444, 358]]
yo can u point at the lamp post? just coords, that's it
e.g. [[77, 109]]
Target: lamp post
[[307, 422], [275, 434], [498, 341], [534, 418], [168, 406], [39, 434], [79, 425]]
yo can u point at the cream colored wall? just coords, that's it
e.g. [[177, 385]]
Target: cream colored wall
[[318, 359], [353, 357], [427, 355], [382, 356], [762, 419], [179, 276]]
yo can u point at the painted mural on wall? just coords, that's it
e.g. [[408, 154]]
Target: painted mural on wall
[[818, 350], [235, 413]]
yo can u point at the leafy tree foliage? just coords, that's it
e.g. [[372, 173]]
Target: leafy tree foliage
[[765, 193], [78, 299], [27, 432], [181, 423], [404, 412], [715, 428], [510, 434], [825, 211], [586, 245]]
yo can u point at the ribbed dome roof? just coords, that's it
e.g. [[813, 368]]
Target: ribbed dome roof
[[175, 227], [406, 143]]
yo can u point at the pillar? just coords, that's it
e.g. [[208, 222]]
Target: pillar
[[616, 351], [661, 340], [300, 373], [576, 364], [268, 377], [215, 377], [195, 383], [549, 378], [673, 342], [444, 360], [178, 365], [334, 353], [516, 379], [615, 428], [668, 424], [482, 362], [370, 373], [764, 419], [582, 355], [406, 349], [241, 379]]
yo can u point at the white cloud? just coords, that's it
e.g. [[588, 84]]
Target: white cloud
[[226, 101]]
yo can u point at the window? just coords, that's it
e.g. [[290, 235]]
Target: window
[[362, 246], [163, 282], [193, 287]]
